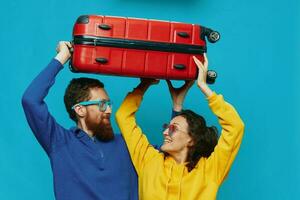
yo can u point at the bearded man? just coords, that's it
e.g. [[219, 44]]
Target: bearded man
[[88, 161]]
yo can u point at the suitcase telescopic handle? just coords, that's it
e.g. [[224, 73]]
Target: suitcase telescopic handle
[[183, 34], [101, 60], [104, 26]]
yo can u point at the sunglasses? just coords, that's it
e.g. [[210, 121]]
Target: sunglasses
[[102, 104], [171, 129]]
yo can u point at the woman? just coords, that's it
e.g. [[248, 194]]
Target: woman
[[193, 162]]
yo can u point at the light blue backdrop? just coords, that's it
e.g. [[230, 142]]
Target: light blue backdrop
[[258, 68]]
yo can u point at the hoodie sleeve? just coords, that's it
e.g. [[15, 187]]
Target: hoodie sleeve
[[141, 151], [47, 131], [231, 137]]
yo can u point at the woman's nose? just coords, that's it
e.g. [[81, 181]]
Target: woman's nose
[[166, 132]]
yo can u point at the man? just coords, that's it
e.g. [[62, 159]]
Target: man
[[88, 162]]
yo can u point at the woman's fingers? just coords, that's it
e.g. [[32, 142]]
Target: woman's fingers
[[170, 86], [188, 84], [199, 64], [205, 61], [197, 61]]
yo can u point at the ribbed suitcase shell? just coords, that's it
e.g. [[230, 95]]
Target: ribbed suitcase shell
[[135, 61]]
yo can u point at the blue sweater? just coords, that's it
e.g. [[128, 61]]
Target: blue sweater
[[82, 169]]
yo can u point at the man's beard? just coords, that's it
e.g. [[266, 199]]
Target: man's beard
[[102, 130]]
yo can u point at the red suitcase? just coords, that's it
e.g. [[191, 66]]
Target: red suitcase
[[138, 47]]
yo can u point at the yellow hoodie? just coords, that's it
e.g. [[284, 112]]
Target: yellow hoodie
[[160, 177]]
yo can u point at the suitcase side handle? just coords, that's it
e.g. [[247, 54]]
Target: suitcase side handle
[[179, 66], [104, 26], [183, 34], [102, 60]]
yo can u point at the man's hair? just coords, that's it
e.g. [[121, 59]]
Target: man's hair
[[204, 138], [79, 90]]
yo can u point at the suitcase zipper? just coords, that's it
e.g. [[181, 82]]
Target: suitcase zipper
[[139, 44]]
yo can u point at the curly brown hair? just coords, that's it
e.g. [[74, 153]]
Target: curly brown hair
[[204, 138]]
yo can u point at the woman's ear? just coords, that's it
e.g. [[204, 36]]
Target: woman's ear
[[190, 142]]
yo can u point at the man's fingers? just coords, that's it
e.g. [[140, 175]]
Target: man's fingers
[[64, 43], [69, 44]]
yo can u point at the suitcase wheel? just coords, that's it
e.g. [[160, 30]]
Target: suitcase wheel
[[211, 77], [213, 36]]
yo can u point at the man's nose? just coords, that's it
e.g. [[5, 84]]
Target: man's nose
[[108, 109]]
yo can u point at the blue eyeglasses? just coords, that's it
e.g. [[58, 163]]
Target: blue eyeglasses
[[102, 104]]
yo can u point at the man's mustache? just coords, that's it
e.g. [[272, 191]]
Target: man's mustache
[[106, 116]]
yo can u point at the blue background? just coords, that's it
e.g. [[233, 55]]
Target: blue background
[[256, 60]]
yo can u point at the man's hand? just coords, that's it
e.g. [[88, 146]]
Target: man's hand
[[178, 94], [63, 52]]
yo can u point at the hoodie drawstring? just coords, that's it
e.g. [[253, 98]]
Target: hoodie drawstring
[[181, 177], [168, 181]]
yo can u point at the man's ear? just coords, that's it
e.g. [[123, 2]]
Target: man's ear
[[80, 111]]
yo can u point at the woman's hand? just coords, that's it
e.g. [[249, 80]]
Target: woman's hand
[[202, 74], [202, 70], [178, 94], [149, 81], [146, 83]]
